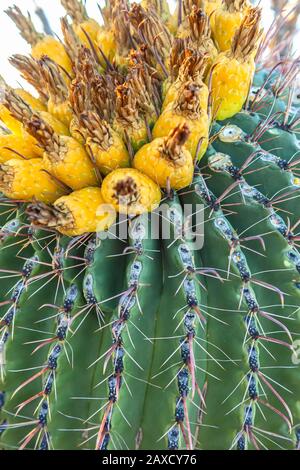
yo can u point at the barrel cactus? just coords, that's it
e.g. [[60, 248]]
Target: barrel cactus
[[150, 233]]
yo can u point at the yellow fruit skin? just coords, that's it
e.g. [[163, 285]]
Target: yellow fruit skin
[[106, 41], [116, 157], [224, 27], [150, 161], [230, 85], [198, 128], [35, 103], [74, 167], [25, 145], [58, 126], [31, 181], [137, 134], [90, 212], [61, 111], [55, 50], [172, 22], [91, 27], [150, 194], [210, 7], [12, 123]]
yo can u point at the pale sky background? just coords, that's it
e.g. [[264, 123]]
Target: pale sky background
[[11, 42]]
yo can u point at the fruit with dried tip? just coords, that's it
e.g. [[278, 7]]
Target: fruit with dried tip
[[41, 44], [77, 213], [27, 180], [11, 122], [104, 144], [57, 89], [187, 108], [130, 191], [232, 72], [85, 28], [18, 147], [227, 19], [191, 69], [166, 161], [64, 157]]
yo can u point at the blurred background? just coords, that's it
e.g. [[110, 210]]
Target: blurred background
[[11, 42]]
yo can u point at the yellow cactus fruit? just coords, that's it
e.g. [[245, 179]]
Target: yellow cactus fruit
[[187, 109], [137, 107], [178, 54], [226, 21], [166, 161], [64, 157], [80, 212], [155, 34], [210, 6], [106, 41], [35, 103], [130, 191], [192, 68], [81, 22], [232, 72], [128, 122], [27, 180], [105, 144], [12, 123], [57, 89], [40, 44], [55, 50], [22, 112], [18, 147], [200, 36]]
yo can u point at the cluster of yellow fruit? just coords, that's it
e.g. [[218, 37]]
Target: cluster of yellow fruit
[[124, 109]]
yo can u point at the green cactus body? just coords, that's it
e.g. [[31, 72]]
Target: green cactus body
[[263, 170], [175, 399]]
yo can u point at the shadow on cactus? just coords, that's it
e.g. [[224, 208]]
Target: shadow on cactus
[[128, 322]]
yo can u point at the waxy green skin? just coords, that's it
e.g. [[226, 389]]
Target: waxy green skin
[[127, 417], [160, 406], [277, 271], [224, 319], [30, 325], [263, 174], [144, 410]]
